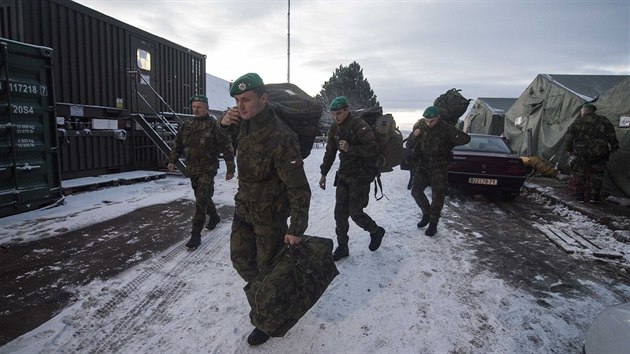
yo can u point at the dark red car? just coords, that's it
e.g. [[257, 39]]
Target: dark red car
[[487, 165]]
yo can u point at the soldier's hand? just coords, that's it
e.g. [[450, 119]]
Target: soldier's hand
[[292, 240], [231, 116], [322, 182], [344, 146], [229, 176], [417, 132], [170, 167]]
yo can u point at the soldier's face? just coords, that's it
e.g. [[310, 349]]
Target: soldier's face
[[584, 111], [199, 109], [340, 115], [432, 122], [249, 103]]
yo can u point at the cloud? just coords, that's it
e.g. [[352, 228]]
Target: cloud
[[410, 51]]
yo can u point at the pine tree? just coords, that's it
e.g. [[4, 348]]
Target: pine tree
[[346, 81]]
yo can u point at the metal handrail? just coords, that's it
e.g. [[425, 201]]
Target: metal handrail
[[137, 73]]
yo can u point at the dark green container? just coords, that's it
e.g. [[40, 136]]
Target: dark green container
[[29, 155]]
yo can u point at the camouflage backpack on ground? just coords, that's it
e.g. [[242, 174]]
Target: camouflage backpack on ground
[[452, 105], [298, 277], [390, 140]]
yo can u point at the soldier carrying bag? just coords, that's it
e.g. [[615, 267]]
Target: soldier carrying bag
[[299, 276]]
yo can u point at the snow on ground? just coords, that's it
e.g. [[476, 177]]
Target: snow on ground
[[84, 209], [415, 294]]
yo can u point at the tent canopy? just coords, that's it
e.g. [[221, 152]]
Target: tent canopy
[[551, 103], [487, 115]]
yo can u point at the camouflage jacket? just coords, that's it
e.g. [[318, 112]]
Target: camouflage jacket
[[359, 163], [201, 141], [591, 137], [435, 145], [271, 170]]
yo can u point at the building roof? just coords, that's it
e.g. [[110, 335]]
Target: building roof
[[218, 92]]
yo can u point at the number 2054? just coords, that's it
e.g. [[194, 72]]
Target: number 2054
[[22, 109]]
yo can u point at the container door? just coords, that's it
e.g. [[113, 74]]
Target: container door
[[29, 160], [143, 56]]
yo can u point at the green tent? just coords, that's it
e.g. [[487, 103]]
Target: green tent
[[549, 105], [487, 115]]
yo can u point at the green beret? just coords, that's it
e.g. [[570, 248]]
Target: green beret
[[431, 112], [589, 106], [338, 103], [200, 98], [245, 83]]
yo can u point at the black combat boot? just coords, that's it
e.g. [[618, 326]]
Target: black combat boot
[[375, 239], [424, 222], [340, 252], [257, 337], [432, 229], [595, 199], [213, 222], [195, 241]]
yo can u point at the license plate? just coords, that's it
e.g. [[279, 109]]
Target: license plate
[[486, 181]]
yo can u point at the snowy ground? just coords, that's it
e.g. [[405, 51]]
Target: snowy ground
[[414, 295]]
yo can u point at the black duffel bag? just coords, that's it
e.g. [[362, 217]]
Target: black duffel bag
[[406, 164], [298, 110]]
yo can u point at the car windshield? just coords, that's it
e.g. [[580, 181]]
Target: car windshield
[[485, 143]]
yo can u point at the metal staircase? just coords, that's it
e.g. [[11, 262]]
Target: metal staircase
[[159, 122]]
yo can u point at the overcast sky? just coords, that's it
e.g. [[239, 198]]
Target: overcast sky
[[410, 51]]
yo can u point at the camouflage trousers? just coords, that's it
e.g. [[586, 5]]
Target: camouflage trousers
[[350, 200], [588, 178], [257, 236], [437, 178], [203, 186]]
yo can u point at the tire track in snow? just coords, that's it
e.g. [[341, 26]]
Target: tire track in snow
[[146, 296]]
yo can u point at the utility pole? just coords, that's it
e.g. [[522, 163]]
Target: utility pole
[[288, 40]]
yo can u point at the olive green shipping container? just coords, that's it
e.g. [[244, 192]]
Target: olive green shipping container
[[29, 155]]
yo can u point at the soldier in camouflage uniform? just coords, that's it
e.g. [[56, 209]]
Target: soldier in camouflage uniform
[[358, 150], [432, 142], [201, 141], [590, 140], [272, 185]]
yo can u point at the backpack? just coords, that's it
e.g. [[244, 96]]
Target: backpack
[[389, 137], [298, 277], [298, 110], [406, 164], [452, 105]]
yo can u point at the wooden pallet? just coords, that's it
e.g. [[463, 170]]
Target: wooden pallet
[[573, 241]]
